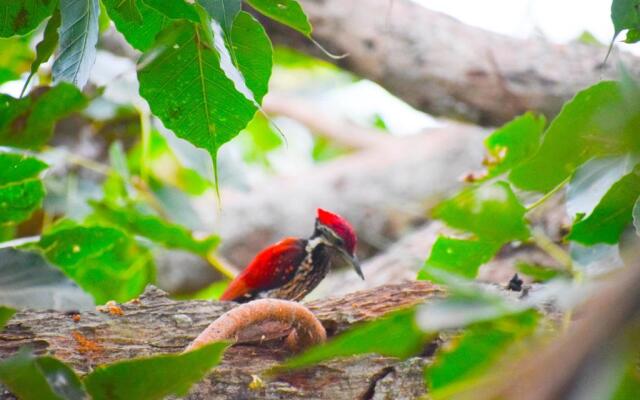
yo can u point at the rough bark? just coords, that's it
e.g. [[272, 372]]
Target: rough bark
[[384, 191], [156, 324], [444, 67]]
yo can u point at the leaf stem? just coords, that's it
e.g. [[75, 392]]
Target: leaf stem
[[224, 269], [548, 195], [555, 251], [145, 128], [19, 242]]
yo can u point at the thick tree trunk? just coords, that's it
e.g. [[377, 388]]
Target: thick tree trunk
[[155, 324], [444, 67]]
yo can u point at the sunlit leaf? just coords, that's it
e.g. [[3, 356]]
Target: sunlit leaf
[[21, 191], [457, 256], [153, 377], [28, 122], [21, 17], [153, 227], [104, 261], [78, 39], [5, 315], [625, 14], [174, 9], [253, 53], [16, 57], [287, 12], [40, 378], [612, 214], [629, 385], [142, 33], [593, 179], [492, 212], [476, 351], [47, 45], [204, 106], [514, 143], [601, 120], [395, 335], [223, 11]]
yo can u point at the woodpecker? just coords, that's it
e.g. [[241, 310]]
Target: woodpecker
[[293, 267]]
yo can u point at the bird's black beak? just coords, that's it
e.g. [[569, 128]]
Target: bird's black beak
[[351, 261]]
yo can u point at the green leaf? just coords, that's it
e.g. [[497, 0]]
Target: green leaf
[[287, 12], [21, 191], [636, 216], [628, 385], [47, 45], [492, 212], [480, 347], [611, 216], [174, 9], [153, 377], [395, 335], [539, 273], [514, 143], [5, 315], [625, 14], [633, 36], [21, 17], [457, 256], [40, 378], [223, 11], [253, 54], [78, 39], [28, 122], [593, 179], [600, 120], [104, 261], [16, 58], [154, 228], [204, 106], [142, 33]]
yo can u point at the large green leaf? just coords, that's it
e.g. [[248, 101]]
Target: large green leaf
[[104, 261], [189, 92], [47, 45], [612, 214], [223, 11], [475, 352], [78, 39], [154, 228], [154, 377], [141, 28], [28, 122], [174, 9], [5, 315], [514, 143], [457, 256], [40, 378], [253, 54], [16, 57], [600, 120], [491, 211], [625, 14], [20, 17], [396, 335], [287, 12], [593, 179], [21, 191]]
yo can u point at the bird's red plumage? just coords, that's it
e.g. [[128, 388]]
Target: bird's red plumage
[[271, 268], [341, 227]]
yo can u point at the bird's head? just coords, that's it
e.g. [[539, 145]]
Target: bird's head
[[339, 235]]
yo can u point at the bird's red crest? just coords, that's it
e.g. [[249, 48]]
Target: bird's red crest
[[340, 226]]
